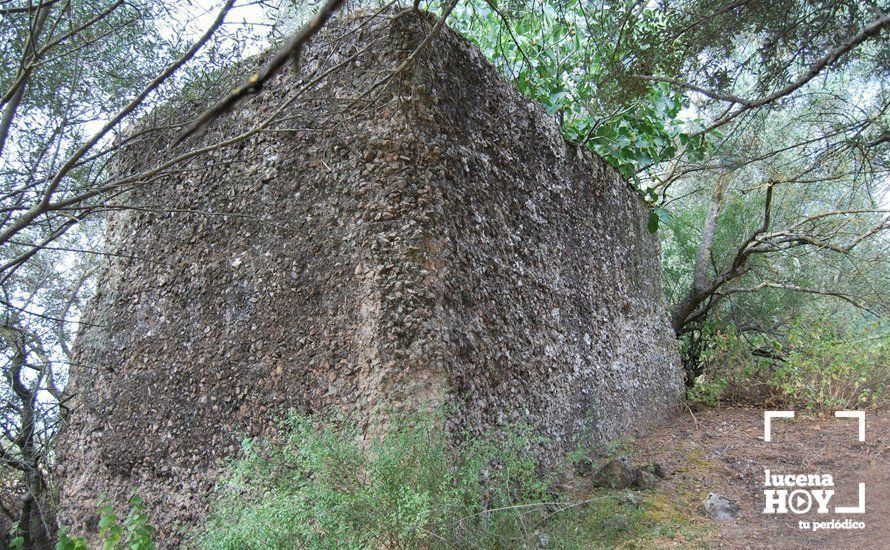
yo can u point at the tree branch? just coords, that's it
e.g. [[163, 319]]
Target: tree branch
[[42, 205], [869, 31], [254, 84], [794, 288]]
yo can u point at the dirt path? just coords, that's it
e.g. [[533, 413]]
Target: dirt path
[[723, 451]]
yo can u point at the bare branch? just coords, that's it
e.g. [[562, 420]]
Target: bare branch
[[43, 204], [794, 288], [254, 84], [871, 30]]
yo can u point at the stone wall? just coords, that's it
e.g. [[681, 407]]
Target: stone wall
[[428, 240]]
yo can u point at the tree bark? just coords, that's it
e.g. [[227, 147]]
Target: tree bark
[[699, 291]]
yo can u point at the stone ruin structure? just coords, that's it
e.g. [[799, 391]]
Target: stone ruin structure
[[420, 240]]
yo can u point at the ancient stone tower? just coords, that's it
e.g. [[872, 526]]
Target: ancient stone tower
[[420, 239]]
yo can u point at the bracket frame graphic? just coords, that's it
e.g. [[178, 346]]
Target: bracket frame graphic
[[768, 422], [768, 417]]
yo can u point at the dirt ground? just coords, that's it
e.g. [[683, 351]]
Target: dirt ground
[[723, 451]]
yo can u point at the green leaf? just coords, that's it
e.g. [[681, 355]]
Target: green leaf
[[653, 222], [663, 214], [107, 521]]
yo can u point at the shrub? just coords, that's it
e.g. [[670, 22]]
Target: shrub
[[706, 393], [319, 487], [413, 486], [819, 365], [825, 369], [729, 371], [134, 533]]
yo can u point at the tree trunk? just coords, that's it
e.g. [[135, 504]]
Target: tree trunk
[[701, 284]]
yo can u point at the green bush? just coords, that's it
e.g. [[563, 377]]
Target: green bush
[[134, 533], [705, 392], [729, 371], [320, 488], [413, 486], [819, 365], [827, 369]]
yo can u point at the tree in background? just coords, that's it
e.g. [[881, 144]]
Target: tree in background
[[785, 218], [757, 130], [800, 97], [75, 78], [38, 352]]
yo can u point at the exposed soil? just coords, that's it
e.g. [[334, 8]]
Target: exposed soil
[[723, 451]]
